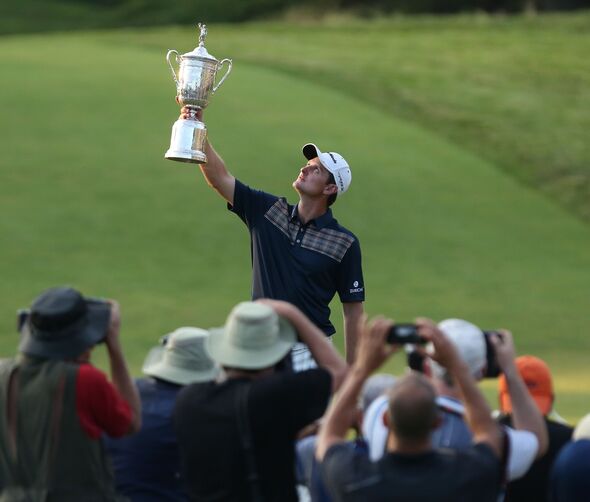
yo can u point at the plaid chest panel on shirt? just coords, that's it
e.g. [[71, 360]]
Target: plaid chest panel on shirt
[[327, 241]]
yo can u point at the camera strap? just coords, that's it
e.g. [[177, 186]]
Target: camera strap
[[246, 441]]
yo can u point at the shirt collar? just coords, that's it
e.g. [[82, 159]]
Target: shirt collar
[[319, 222]]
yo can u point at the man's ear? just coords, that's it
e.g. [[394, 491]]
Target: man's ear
[[330, 189], [385, 419]]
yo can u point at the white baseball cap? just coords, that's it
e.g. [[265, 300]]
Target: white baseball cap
[[470, 343], [333, 162]]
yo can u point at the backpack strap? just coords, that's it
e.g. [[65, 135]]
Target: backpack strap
[[9, 397], [246, 442], [505, 457]]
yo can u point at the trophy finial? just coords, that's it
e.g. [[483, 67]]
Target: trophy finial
[[203, 34]]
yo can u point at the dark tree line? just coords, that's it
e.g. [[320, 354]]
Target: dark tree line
[[154, 12]]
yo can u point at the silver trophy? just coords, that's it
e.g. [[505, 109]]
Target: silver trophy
[[194, 84]]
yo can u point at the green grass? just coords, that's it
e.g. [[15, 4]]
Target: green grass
[[86, 197], [514, 90]]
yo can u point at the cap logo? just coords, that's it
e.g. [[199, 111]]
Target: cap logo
[[333, 159]]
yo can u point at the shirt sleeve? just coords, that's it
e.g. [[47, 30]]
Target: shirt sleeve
[[303, 396], [523, 451], [480, 469], [351, 286], [99, 405], [250, 204], [341, 468]]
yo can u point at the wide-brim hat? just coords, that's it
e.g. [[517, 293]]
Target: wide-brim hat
[[253, 337], [333, 162], [183, 359], [62, 324]]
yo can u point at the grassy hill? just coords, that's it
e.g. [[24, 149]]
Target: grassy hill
[[513, 90], [86, 197]]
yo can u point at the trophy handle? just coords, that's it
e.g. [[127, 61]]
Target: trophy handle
[[168, 54], [221, 63]]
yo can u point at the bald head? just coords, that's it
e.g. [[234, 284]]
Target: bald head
[[413, 413]]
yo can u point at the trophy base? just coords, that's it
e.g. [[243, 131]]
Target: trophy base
[[191, 157], [188, 142]]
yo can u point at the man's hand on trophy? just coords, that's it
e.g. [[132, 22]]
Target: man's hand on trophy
[[191, 113]]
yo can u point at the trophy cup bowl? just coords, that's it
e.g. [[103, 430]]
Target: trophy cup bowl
[[195, 84]]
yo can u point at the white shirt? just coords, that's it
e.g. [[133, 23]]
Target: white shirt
[[523, 445]]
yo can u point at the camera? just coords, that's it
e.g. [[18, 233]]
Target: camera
[[492, 367], [415, 360], [404, 333]]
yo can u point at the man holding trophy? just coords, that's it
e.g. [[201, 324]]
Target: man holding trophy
[[300, 253]]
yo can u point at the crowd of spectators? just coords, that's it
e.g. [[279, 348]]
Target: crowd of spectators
[[221, 415]]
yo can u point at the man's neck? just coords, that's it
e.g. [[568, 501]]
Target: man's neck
[[442, 389], [407, 447], [234, 373], [310, 209]]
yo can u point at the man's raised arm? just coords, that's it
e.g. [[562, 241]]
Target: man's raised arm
[[478, 413], [215, 172]]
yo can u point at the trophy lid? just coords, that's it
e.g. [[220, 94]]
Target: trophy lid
[[200, 52]]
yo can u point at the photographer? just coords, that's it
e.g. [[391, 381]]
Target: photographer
[[484, 354], [411, 468], [58, 405], [534, 485], [237, 437]]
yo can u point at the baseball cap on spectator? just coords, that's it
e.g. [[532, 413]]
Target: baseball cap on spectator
[[333, 162], [183, 359], [254, 337], [470, 343], [537, 378], [582, 430], [62, 324]]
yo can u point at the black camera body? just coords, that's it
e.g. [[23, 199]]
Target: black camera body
[[492, 367], [403, 333]]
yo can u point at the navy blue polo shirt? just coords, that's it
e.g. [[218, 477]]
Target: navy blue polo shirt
[[302, 264]]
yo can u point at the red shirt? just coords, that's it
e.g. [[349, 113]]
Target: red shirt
[[99, 405]]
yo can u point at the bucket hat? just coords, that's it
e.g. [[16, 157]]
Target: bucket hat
[[183, 359], [62, 324], [253, 337]]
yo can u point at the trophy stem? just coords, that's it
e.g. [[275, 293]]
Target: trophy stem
[[192, 112]]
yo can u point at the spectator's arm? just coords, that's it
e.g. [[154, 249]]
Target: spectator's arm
[[525, 414], [215, 171], [372, 353], [321, 349], [478, 413], [353, 312], [120, 376]]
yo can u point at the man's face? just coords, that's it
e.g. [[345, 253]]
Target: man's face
[[313, 179]]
